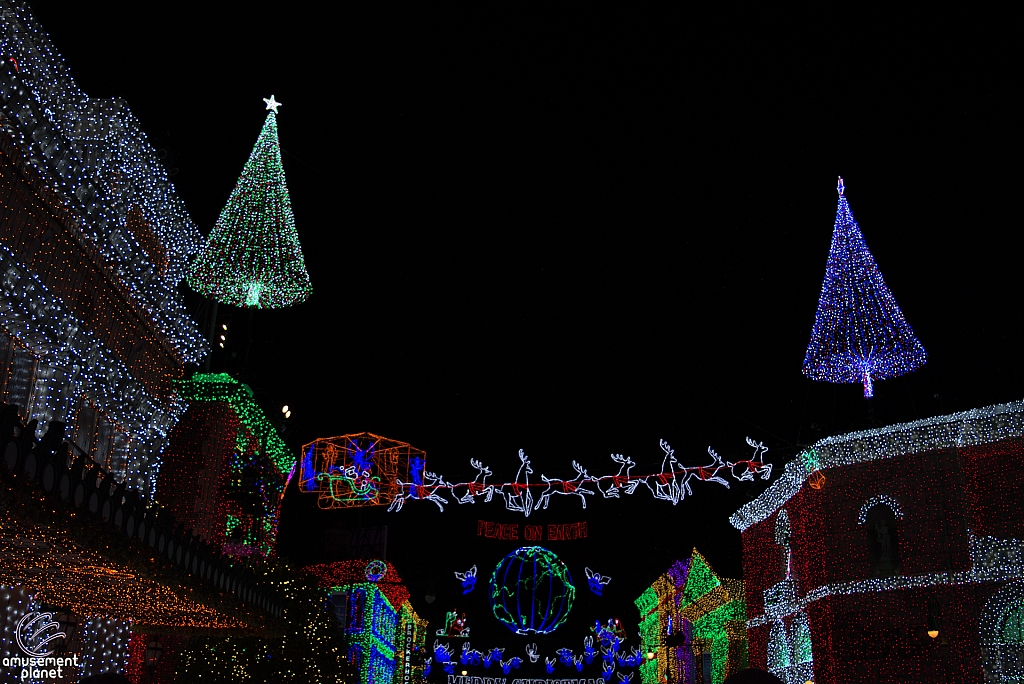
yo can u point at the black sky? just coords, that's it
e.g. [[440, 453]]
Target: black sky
[[578, 237]]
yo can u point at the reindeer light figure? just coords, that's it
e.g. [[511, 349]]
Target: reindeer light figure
[[708, 473], [427, 492], [621, 480], [532, 652], [754, 465], [667, 483], [565, 487], [478, 486], [517, 494], [549, 665]]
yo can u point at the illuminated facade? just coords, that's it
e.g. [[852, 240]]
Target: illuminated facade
[[370, 604], [93, 243], [694, 623], [893, 555], [225, 467]]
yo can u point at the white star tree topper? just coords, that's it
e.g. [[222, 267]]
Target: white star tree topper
[[272, 103]]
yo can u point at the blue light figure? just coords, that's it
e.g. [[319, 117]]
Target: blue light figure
[[362, 459], [468, 579], [596, 581], [549, 665], [589, 652]]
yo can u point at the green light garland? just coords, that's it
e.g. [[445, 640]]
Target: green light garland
[[223, 387], [253, 257]]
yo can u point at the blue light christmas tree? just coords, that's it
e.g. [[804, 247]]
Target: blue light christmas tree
[[859, 332]]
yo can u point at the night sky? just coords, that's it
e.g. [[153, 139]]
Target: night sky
[[580, 237]]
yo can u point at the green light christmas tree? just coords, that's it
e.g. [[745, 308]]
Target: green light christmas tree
[[253, 257]]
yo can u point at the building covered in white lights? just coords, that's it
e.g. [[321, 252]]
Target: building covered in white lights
[[93, 242], [893, 555]]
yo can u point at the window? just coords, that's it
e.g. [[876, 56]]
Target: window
[[1011, 642], [882, 529]]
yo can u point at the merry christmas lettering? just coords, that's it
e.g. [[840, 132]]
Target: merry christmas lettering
[[455, 679], [510, 531]]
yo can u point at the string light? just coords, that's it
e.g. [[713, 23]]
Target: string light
[[91, 265], [253, 257], [361, 469], [93, 155], [957, 430], [950, 512], [859, 332], [689, 611], [370, 623], [81, 580], [310, 649], [531, 591], [673, 484], [226, 435]]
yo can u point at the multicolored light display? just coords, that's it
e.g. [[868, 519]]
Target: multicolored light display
[[687, 614], [226, 437], [252, 257], [361, 469], [948, 489], [380, 637], [859, 332], [531, 591]]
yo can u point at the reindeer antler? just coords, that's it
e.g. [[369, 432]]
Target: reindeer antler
[[665, 447], [476, 464]]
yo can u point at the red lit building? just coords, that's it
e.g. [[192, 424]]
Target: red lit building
[[893, 555]]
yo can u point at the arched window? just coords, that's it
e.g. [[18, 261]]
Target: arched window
[[1011, 642], [783, 537], [880, 517], [1002, 634]]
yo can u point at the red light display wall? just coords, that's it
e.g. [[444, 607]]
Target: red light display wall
[[218, 476], [194, 473], [162, 671], [902, 567]]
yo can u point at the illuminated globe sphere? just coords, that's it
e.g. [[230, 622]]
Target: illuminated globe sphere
[[531, 591]]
